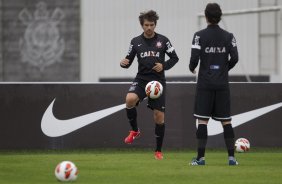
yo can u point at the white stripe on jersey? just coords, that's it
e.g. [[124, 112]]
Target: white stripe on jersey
[[196, 47]]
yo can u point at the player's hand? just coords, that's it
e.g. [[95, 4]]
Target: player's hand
[[194, 72], [158, 67], [124, 62]]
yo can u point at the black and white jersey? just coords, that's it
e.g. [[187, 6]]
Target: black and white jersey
[[151, 51], [216, 49]]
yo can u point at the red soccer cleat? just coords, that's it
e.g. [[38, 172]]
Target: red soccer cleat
[[158, 155], [132, 135]]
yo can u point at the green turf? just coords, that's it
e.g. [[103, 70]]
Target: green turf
[[138, 166]]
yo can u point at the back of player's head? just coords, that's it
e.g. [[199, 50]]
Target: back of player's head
[[213, 13], [150, 15]]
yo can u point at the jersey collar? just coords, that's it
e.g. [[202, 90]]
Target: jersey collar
[[155, 36]]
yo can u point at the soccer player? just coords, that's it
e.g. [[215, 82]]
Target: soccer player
[[217, 51], [150, 49]]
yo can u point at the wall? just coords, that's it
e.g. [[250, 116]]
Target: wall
[[1, 55], [109, 25], [92, 115], [33, 49], [40, 40]]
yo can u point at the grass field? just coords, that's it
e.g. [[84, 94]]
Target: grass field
[[260, 166]]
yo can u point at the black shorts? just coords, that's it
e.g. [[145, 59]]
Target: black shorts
[[212, 104], [138, 87]]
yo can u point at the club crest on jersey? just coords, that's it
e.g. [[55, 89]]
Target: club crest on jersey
[[149, 54], [159, 44]]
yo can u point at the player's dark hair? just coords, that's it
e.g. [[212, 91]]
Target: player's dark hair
[[213, 13], [150, 15]]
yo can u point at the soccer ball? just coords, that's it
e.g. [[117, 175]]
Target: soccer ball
[[66, 171], [242, 145], [154, 89]]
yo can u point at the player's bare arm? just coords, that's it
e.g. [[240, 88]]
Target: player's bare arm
[[158, 67]]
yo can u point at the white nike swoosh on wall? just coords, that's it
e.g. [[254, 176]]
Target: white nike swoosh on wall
[[53, 127], [215, 127]]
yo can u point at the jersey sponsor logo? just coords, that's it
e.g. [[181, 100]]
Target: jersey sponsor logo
[[196, 44], [234, 44], [215, 128], [170, 50], [214, 50], [53, 127], [133, 86], [197, 40], [169, 47], [214, 67], [149, 54], [130, 49]]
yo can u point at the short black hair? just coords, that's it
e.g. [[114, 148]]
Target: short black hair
[[150, 15], [213, 13]]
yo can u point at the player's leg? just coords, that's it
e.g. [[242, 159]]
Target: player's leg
[[228, 133], [159, 133], [158, 107], [202, 137], [202, 112], [133, 97], [131, 101], [222, 113], [131, 112]]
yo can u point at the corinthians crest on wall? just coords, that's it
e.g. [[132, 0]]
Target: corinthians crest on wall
[[41, 45]]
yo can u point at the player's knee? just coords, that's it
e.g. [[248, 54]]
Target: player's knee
[[131, 100], [225, 123], [159, 117]]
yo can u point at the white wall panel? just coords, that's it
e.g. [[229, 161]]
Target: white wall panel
[[109, 25]]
